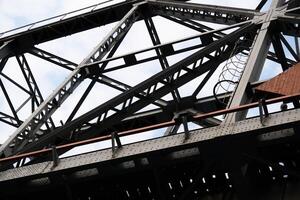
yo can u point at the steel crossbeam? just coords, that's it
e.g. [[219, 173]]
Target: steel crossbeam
[[214, 14], [47, 30], [193, 25]]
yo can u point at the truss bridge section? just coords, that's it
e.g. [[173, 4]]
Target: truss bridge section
[[142, 116]]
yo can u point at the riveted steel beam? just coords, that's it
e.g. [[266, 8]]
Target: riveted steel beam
[[172, 143], [207, 13]]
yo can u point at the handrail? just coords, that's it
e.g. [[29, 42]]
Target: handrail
[[152, 127]]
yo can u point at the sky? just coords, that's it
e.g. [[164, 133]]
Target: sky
[[15, 13]]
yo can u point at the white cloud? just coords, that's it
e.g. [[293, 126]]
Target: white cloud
[[25, 11], [230, 3], [7, 23], [71, 5]]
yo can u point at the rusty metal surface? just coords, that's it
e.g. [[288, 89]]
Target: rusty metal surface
[[286, 83]]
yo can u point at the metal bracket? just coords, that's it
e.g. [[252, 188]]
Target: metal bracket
[[55, 157], [182, 118], [186, 128], [115, 139], [263, 110]]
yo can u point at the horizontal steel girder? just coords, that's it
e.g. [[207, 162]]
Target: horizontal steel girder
[[28, 36], [168, 49], [214, 14], [173, 143]]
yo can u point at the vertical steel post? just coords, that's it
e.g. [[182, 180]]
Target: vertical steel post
[[254, 65]]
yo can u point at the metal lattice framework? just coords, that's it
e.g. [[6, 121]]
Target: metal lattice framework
[[225, 159]]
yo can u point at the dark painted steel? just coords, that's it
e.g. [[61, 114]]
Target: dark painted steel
[[63, 27], [214, 14], [261, 4]]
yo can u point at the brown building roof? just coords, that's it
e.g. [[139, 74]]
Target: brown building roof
[[286, 83]]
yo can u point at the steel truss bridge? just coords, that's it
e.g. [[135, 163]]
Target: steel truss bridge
[[235, 158]]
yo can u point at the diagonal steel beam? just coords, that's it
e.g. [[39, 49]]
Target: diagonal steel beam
[[279, 51], [52, 58], [161, 57], [193, 25], [67, 64], [10, 120], [13, 121], [288, 46], [15, 83], [261, 5], [203, 82], [11, 106], [35, 92], [94, 80], [272, 56], [124, 87], [26, 132], [3, 62]]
